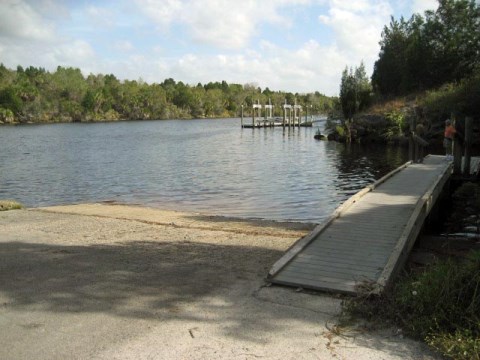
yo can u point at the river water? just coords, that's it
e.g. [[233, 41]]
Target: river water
[[210, 166]]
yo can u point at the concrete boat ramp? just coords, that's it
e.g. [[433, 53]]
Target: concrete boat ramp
[[368, 238]]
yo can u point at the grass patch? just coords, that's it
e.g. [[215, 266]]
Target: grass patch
[[10, 205], [460, 98], [388, 106], [440, 305]]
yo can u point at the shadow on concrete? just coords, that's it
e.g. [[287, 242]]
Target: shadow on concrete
[[107, 277], [158, 281], [138, 279]]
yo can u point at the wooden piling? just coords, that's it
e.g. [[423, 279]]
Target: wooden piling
[[288, 113], [468, 145], [289, 118], [255, 107], [457, 152], [411, 142], [241, 121]]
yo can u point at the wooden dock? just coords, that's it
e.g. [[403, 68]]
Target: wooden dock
[[273, 123], [368, 238], [291, 116]]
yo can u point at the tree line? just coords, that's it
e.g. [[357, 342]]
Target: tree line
[[66, 95], [435, 56], [424, 52]]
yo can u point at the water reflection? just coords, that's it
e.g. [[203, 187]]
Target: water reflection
[[361, 165], [209, 166]]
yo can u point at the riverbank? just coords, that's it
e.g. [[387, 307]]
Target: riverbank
[[109, 281]]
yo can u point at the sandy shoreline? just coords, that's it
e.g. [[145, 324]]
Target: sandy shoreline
[[120, 282]]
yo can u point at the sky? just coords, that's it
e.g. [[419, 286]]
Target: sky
[[286, 45]]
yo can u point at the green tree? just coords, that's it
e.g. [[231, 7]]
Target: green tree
[[454, 32], [355, 94], [425, 52], [363, 87], [389, 70], [348, 94], [10, 100], [214, 103], [34, 94]]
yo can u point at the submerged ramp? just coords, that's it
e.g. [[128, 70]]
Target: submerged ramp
[[369, 236]]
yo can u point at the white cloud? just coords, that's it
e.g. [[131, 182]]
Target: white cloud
[[357, 26], [51, 8], [98, 16], [18, 20], [123, 46], [76, 53], [357, 6], [310, 67], [163, 12], [222, 23], [217, 24], [419, 6]]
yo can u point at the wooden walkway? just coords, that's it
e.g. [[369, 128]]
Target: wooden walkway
[[368, 238]]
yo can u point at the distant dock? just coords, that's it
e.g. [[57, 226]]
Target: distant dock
[[292, 117], [273, 123]]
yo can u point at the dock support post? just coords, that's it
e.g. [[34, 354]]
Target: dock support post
[[411, 142], [457, 153], [417, 152], [289, 119], [241, 121], [457, 157], [255, 107], [468, 144]]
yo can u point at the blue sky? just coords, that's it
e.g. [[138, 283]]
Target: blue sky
[[290, 45]]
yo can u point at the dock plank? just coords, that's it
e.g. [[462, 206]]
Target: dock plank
[[341, 267], [341, 261], [339, 273]]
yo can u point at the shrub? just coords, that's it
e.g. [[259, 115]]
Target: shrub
[[440, 305], [6, 115], [10, 205], [340, 130], [460, 98], [396, 124]]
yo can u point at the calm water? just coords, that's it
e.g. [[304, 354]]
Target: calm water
[[210, 166]]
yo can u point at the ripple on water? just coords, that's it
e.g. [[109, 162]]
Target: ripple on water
[[209, 166]]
